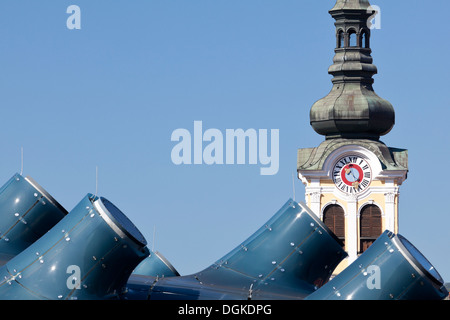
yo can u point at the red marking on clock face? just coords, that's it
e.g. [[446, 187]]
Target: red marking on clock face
[[352, 173]]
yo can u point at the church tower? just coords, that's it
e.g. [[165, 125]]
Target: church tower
[[352, 179]]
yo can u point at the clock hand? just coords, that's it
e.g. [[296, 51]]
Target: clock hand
[[350, 171]]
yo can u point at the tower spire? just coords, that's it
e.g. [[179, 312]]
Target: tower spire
[[352, 179], [352, 109]]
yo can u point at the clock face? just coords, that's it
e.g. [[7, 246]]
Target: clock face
[[352, 174]]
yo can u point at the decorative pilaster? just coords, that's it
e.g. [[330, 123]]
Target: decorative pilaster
[[390, 209], [351, 240]]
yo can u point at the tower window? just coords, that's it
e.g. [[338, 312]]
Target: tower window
[[364, 42], [352, 38], [370, 226], [341, 39], [334, 219]]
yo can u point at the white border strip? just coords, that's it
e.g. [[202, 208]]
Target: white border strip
[[101, 209]]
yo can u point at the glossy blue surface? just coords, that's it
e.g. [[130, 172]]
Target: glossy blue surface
[[86, 255], [287, 258], [391, 269], [156, 265], [27, 212]]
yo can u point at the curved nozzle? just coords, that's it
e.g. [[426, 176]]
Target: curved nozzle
[[391, 269], [287, 258], [156, 265], [27, 212], [88, 255]]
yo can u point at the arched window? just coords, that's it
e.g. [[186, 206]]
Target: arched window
[[341, 39], [364, 41], [334, 219], [370, 226], [352, 41]]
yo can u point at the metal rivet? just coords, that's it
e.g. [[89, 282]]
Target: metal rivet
[[311, 224], [16, 214], [274, 262], [92, 215], [60, 296], [292, 244], [68, 239], [35, 194]]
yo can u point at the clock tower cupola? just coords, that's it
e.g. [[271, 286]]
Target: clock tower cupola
[[352, 178], [352, 109]]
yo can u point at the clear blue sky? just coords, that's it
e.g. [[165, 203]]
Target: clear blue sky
[[111, 94]]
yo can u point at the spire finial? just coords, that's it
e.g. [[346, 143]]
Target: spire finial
[[351, 5]]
